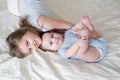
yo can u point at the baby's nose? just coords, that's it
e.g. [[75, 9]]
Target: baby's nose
[[55, 39]]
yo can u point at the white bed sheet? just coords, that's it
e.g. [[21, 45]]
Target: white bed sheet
[[105, 15]]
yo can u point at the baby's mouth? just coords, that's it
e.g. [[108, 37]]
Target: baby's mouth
[[39, 46]]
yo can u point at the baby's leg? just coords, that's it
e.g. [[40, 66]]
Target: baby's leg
[[91, 54], [87, 53]]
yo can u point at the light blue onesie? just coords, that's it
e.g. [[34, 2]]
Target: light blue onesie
[[70, 38], [33, 9]]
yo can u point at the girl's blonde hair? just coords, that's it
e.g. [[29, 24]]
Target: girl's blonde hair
[[16, 36]]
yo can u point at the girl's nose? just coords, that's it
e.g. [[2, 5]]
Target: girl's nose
[[33, 47], [54, 39]]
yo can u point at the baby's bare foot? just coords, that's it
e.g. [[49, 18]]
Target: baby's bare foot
[[86, 21], [77, 28]]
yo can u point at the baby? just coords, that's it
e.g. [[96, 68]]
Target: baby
[[80, 42]]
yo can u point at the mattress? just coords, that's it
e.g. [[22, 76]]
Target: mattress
[[40, 65]]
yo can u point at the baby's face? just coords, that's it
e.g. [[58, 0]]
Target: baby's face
[[29, 42], [52, 41]]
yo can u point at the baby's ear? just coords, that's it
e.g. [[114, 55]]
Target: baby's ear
[[53, 51]]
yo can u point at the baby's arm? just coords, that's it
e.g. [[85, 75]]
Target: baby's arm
[[80, 44], [84, 46], [73, 49], [81, 49]]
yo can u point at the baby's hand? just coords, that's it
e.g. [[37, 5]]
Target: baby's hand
[[84, 32], [83, 41]]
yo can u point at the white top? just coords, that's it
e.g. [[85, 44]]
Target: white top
[[13, 7], [31, 8]]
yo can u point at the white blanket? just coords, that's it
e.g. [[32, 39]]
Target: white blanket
[[105, 15]]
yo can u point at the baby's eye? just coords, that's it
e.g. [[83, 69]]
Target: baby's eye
[[52, 36], [51, 43]]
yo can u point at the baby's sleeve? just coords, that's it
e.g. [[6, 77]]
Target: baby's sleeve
[[61, 52]]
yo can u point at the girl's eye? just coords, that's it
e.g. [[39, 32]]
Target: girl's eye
[[27, 43]]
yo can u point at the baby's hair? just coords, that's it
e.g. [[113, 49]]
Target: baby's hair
[[16, 36]]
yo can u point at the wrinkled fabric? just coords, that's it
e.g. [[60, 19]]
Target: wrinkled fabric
[[105, 16]]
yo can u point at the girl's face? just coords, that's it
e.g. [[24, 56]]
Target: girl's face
[[29, 42], [52, 41]]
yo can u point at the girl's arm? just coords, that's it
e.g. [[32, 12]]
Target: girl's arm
[[51, 23]]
